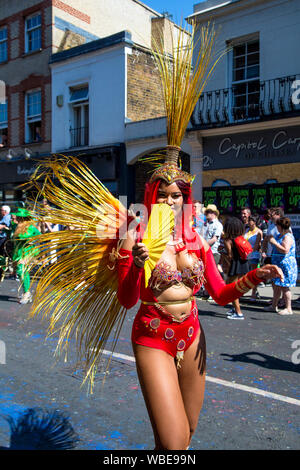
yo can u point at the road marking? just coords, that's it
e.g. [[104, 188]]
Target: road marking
[[119, 355], [225, 383], [257, 391]]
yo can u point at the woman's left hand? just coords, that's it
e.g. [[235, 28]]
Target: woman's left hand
[[270, 271]]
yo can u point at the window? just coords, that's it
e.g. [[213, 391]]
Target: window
[[245, 80], [3, 44], [3, 124], [33, 113], [79, 102], [33, 36]]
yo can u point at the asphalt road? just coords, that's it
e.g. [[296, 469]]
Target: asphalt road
[[252, 398]]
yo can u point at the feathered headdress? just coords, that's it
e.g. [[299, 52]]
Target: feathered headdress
[[183, 80]]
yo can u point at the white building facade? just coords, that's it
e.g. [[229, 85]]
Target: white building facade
[[89, 105], [89, 91], [100, 92]]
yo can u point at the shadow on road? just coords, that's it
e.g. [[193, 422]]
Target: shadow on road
[[38, 429], [211, 313], [8, 298], [263, 360]]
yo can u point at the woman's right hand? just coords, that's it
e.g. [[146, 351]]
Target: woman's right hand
[[270, 271], [140, 254]]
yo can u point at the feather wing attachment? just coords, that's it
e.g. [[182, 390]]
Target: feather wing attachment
[[77, 279], [157, 234]]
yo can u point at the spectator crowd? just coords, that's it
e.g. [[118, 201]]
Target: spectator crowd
[[270, 238], [15, 256], [271, 241]]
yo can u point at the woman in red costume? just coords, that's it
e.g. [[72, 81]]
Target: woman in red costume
[[168, 340]]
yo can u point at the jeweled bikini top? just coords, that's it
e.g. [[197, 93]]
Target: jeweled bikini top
[[164, 276]]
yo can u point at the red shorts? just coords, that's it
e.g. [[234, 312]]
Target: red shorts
[[154, 329]]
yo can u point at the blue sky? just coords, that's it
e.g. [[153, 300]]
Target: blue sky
[[180, 9]]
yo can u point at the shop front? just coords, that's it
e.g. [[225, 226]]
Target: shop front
[[257, 157], [258, 169], [13, 174], [108, 164]]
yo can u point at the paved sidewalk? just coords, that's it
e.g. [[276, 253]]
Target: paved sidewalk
[[266, 294]]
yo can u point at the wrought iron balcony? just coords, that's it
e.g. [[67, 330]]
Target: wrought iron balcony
[[79, 136], [247, 102]]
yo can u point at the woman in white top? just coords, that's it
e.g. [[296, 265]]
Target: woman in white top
[[254, 236]]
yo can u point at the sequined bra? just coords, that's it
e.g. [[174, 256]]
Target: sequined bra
[[164, 276]]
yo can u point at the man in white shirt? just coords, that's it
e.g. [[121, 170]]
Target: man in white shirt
[[213, 230], [212, 233]]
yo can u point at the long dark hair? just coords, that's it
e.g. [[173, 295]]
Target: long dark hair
[[233, 228]]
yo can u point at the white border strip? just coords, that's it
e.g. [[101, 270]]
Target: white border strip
[[225, 383]]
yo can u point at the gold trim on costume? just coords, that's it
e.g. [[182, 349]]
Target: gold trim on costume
[[244, 285], [252, 286], [170, 302], [238, 288], [114, 255]]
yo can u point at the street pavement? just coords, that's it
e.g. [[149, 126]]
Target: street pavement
[[252, 397]]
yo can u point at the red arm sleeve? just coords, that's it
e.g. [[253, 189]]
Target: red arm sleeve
[[225, 293], [129, 279]]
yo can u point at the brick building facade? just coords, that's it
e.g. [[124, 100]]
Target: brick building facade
[[30, 33], [144, 93]]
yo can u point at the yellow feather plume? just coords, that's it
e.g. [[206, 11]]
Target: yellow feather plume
[[157, 235], [77, 280], [184, 75]]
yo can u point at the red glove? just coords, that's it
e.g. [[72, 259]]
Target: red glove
[[223, 293], [130, 277]]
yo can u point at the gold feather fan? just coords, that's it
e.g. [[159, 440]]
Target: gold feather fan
[[157, 235]]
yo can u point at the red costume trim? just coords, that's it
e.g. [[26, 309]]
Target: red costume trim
[[153, 329], [129, 283], [180, 247]]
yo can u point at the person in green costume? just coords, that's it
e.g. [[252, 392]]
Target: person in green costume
[[23, 254]]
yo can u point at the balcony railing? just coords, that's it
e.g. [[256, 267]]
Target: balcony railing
[[79, 136], [272, 99]]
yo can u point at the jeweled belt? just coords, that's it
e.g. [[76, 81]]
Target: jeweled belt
[[169, 302], [160, 307]]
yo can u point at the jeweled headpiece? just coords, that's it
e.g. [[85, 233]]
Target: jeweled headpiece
[[169, 171]]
